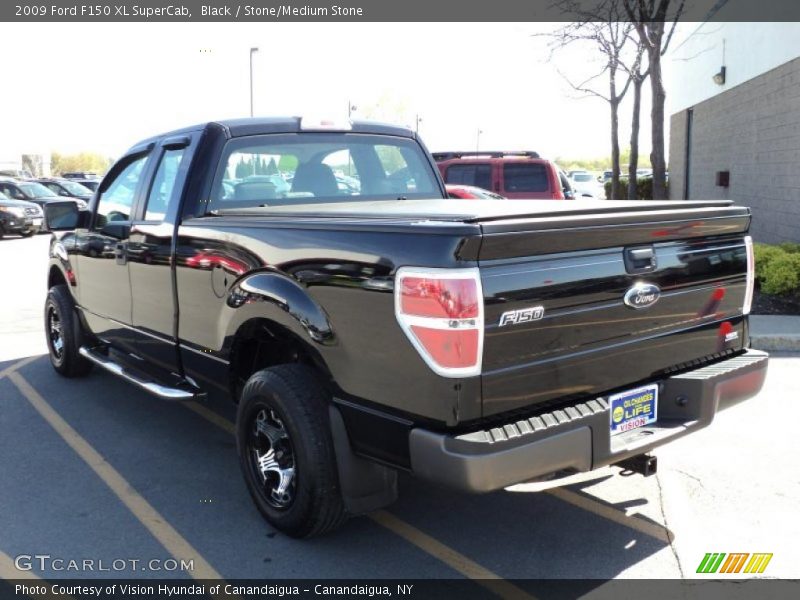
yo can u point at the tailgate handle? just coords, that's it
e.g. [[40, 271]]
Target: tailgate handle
[[640, 260]]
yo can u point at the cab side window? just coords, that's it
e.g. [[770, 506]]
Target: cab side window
[[163, 191], [116, 202]]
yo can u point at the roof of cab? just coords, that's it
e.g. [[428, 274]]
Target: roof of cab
[[266, 125]]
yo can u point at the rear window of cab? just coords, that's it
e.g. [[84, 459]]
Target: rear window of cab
[[319, 168]]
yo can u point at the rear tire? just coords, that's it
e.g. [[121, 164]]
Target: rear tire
[[286, 452], [64, 334], [27, 233]]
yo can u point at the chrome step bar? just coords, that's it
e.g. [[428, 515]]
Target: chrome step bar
[[161, 391]]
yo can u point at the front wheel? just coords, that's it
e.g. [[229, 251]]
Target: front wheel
[[64, 336], [28, 232], [286, 451]]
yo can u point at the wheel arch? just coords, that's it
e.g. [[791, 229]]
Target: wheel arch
[[272, 320]]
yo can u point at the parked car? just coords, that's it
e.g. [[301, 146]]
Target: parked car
[[19, 217], [90, 184], [31, 191], [67, 188], [474, 344], [571, 174], [470, 192], [80, 175], [510, 174], [586, 186]]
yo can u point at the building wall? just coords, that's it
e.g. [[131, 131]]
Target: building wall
[[752, 131], [745, 49]]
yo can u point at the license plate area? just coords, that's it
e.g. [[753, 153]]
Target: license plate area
[[633, 409]]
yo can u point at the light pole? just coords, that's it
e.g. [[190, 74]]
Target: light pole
[[416, 128], [351, 108], [252, 51], [478, 141]]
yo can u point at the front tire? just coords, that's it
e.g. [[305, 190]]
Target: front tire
[[64, 335], [286, 453], [28, 233]]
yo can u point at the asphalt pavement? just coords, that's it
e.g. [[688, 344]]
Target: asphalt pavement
[[95, 469]]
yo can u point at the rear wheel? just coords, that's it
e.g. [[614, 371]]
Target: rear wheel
[[27, 233], [64, 335], [286, 451]]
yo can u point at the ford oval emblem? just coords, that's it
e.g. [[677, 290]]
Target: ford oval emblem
[[642, 295]]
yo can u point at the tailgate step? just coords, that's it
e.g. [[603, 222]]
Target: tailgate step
[[538, 423]]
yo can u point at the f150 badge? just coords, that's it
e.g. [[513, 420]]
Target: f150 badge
[[523, 315], [642, 295]]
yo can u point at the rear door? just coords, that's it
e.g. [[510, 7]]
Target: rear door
[[153, 305]]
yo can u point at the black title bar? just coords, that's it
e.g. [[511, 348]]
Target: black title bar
[[373, 10]]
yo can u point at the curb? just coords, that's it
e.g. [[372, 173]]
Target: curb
[[787, 342]]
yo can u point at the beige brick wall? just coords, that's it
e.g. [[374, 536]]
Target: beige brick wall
[[753, 131]]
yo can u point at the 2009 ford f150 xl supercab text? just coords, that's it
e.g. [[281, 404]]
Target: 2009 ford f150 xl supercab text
[[366, 324]]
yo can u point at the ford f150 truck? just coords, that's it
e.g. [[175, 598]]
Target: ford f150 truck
[[366, 324]]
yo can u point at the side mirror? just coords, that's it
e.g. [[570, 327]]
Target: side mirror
[[62, 215]]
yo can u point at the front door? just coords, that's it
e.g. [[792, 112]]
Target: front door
[[104, 290]]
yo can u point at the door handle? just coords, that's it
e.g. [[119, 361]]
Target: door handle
[[640, 260], [121, 253]]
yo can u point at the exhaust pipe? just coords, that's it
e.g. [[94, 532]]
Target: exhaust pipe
[[644, 464]]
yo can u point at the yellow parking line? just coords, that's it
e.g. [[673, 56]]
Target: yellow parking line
[[8, 570], [210, 415], [148, 516], [435, 548], [17, 365], [612, 514], [450, 557]]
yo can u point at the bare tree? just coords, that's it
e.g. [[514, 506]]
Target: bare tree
[[603, 24], [650, 17], [638, 78]]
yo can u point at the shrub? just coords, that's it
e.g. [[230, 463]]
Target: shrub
[[764, 255], [790, 247], [644, 188], [782, 274]]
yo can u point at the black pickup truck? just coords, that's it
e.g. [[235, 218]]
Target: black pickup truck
[[366, 324]]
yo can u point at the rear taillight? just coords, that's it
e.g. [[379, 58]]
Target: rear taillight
[[441, 312], [751, 275]]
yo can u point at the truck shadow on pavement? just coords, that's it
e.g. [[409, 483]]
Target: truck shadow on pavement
[[185, 466]]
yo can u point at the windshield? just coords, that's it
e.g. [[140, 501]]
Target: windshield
[[314, 168], [3, 196], [582, 177], [36, 190], [76, 189]]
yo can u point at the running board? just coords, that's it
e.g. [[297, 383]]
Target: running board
[[148, 385]]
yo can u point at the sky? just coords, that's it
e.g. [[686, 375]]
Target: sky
[[100, 87]]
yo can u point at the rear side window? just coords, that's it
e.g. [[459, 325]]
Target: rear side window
[[478, 175], [525, 177], [163, 190]]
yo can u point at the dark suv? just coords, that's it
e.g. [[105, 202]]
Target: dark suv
[[510, 174], [19, 217]]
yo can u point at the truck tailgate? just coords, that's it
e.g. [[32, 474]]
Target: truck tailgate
[[577, 269]]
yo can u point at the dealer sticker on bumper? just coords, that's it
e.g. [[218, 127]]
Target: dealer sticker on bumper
[[633, 409]]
